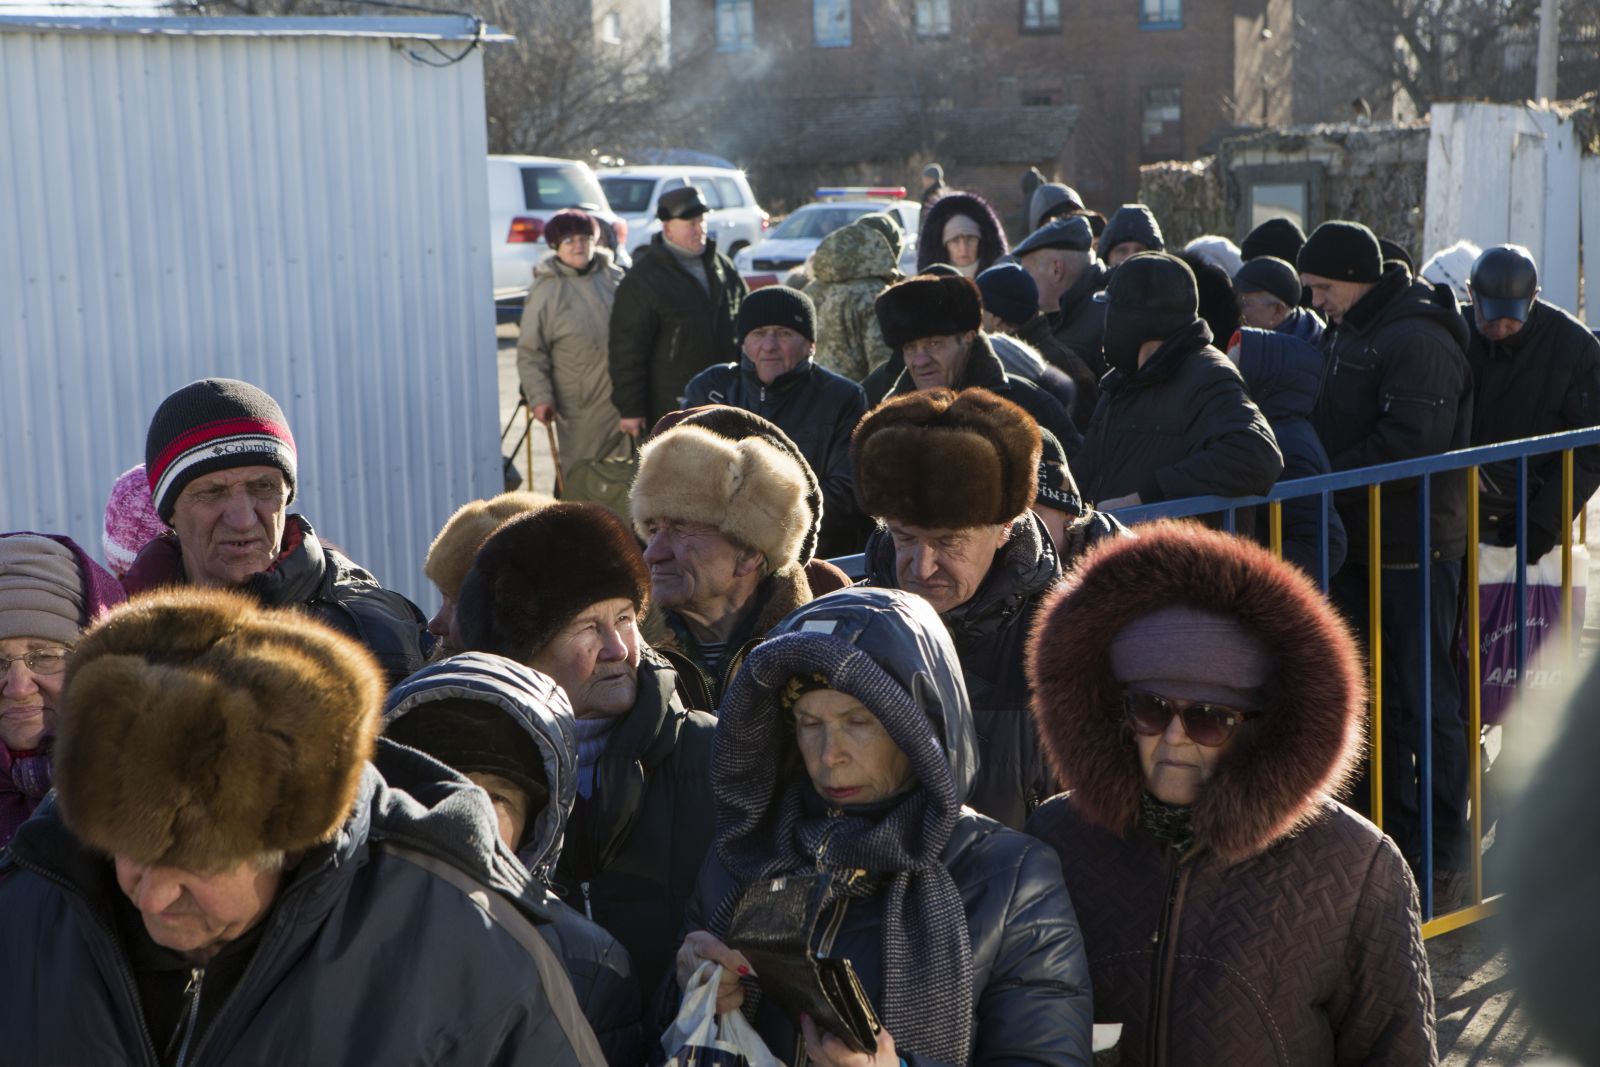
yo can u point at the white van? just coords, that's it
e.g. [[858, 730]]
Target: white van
[[734, 222], [524, 191]]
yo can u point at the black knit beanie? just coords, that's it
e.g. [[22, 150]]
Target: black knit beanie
[[1268, 274], [777, 305], [1343, 252], [476, 737], [212, 425], [1057, 488], [1009, 293], [1282, 238]]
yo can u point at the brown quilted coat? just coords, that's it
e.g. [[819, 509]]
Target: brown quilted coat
[[1289, 934]]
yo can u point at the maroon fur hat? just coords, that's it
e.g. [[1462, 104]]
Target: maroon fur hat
[[1282, 764], [539, 570], [945, 460], [566, 223]]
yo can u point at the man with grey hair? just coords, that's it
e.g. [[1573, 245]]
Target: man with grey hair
[[1060, 257]]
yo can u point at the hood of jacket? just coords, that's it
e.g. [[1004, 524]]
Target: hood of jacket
[[1283, 374], [552, 267], [1131, 222], [1281, 766], [857, 637], [536, 705], [853, 253], [1047, 196], [930, 241], [1305, 324], [1399, 296]]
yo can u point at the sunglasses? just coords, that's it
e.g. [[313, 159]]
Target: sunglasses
[[1206, 724]]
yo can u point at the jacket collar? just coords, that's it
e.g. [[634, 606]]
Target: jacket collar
[[1090, 282], [783, 383], [294, 577]]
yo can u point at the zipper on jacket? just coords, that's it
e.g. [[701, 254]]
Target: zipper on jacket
[[588, 905], [1165, 938], [125, 972], [191, 1011]]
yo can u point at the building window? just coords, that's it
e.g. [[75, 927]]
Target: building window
[[830, 23], [1279, 200], [933, 18], [1041, 16], [736, 25], [611, 28], [1161, 14], [1040, 98], [1161, 135]]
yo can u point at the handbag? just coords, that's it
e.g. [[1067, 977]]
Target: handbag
[[775, 924], [606, 480]]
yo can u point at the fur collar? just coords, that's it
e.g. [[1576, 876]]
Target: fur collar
[[1281, 766]]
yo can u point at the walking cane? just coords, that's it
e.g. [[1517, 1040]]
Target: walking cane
[[555, 456]]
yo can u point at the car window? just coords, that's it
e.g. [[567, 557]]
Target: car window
[[909, 216], [728, 189], [628, 196], [555, 186], [709, 191], [816, 222]]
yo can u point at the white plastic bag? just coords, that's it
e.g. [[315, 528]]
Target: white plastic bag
[[699, 1037]]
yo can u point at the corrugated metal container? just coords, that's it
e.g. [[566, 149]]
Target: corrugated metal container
[[301, 203]]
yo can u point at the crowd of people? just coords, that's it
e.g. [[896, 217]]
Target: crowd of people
[[1035, 771]]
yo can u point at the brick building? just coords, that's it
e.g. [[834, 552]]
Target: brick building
[[808, 92]]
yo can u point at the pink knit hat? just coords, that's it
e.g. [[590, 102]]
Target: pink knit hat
[[131, 520]]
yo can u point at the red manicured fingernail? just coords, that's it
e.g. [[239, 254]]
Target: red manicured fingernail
[[744, 970]]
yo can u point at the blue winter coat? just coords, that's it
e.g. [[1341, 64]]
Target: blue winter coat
[[1283, 375]]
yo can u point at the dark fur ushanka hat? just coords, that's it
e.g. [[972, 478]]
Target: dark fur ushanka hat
[[928, 306], [946, 460], [1281, 765], [538, 571], [200, 730]]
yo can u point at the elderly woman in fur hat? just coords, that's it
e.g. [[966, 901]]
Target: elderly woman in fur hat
[[844, 751], [49, 591], [1203, 705]]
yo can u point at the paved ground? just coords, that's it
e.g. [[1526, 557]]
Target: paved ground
[[1481, 1020]]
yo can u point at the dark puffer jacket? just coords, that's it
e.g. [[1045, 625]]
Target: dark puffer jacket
[[1080, 324], [310, 575], [1545, 378], [990, 632], [1288, 931], [1283, 374], [598, 965], [1395, 385], [1037, 332], [1030, 993], [991, 236], [408, 939], [817, 409], [666, 328], [1182, 425], [634, 846], [985, 371]]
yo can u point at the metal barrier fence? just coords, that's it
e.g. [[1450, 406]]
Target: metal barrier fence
[[1467, 461]]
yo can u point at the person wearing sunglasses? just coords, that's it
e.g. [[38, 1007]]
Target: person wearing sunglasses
[[49, 591], [1203, 705]]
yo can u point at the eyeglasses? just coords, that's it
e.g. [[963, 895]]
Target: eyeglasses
[[1206, 724], [39, 661]]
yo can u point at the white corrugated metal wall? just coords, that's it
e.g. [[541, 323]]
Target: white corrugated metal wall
[[303, 210]]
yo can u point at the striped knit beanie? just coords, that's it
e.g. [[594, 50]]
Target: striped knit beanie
[[211, 425]]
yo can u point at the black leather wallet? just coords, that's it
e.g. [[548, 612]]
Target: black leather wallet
[[776, 924]]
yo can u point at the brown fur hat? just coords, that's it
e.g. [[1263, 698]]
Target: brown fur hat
[[1281, 764], [450, 555], [751, 490], [946, 460], [200, 730], [928, 306], [537, 571]]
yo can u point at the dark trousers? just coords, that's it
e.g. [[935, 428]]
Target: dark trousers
[[1403, 673]]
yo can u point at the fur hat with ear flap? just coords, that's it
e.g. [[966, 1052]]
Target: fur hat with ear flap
[[200, 730], [451, 554], [928, 306], [538, 571], [944, 460], [749, 489]]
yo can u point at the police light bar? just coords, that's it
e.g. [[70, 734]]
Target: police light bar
[[892, 192]]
